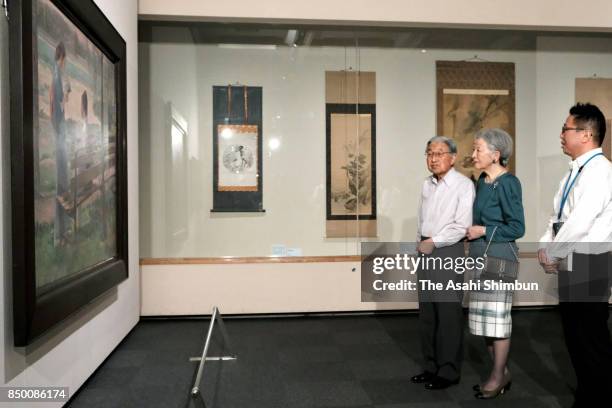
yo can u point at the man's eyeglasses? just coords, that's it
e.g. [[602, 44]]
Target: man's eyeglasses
[[565, 128], [437, 155]]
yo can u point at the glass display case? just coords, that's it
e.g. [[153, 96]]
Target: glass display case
[[261, 140]]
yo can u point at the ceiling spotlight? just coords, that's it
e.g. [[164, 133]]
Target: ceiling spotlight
[[291, 38], [308, 37]]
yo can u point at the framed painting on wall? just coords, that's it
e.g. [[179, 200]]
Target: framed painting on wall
[[68, 160]]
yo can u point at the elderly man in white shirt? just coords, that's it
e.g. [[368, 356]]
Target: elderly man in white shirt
[[445, 213], [577, 246]]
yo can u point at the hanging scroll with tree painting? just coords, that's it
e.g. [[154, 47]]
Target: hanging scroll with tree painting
[[351, 153], [237, 149], [472, 96]]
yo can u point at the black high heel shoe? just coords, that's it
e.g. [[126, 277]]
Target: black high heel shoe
[[478, 387], [488, 394]]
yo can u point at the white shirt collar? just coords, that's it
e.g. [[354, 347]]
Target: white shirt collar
[[449, 178], [583, 158]]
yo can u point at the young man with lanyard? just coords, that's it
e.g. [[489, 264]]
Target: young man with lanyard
[[577, 246]]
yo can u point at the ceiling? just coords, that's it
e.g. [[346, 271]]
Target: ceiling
[[315, 36]]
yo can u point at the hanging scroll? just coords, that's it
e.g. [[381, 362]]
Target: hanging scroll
[[472, 96], [237, 149], [351, 154]]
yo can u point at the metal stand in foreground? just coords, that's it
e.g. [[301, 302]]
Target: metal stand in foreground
[[216, 316]]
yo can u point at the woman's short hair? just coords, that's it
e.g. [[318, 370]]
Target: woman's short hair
[[497, 140]]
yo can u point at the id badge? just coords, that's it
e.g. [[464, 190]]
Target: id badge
[[556, 227]]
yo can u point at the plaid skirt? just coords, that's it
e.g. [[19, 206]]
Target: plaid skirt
[[490, 313]]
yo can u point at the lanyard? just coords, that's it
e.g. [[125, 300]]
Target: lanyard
[[566, 189]]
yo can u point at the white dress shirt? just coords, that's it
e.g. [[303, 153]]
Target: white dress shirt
[[587, 214], [445, 210]]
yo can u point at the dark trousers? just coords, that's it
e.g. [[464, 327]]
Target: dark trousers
[[585, 328], [441, 320]]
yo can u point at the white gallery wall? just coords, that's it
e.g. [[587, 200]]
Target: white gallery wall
[[558, 62], [182, 74], [68, 354], [494, 13]]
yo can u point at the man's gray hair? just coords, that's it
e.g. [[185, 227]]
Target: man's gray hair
[[497, 140], [452, 146]]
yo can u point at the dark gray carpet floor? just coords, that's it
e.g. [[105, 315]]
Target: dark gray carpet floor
[[340, 361]]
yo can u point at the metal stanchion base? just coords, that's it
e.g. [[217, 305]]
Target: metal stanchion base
[[224, 358], [216, 317]]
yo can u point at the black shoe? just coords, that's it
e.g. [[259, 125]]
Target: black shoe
[[503, 388], [484, 394], [425, 376], [439, 383]]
